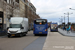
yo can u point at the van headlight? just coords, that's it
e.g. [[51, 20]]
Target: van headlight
[[8, 29], [18, 31]]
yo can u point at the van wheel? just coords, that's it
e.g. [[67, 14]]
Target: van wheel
[[45, 34], [20, 35], [24, 34]]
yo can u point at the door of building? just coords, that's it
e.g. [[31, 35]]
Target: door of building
[[1, 20]]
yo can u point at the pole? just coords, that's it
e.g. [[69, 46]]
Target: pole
[[61, 20], [64, 21], [64, 18], [68, 19]]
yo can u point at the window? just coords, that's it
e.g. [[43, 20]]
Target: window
[[10, 1], [5, 0], [17, 1], [24, 0]]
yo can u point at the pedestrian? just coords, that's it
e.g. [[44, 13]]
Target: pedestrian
[[68, 28], [71, 28], [64, 28]]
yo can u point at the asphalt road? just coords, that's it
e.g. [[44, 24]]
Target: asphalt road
[[21, 43], [37, 44]]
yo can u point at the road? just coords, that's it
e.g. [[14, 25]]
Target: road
[[20, 43], [31, 42]]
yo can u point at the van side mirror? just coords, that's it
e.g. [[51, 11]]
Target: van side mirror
[[22, 27]]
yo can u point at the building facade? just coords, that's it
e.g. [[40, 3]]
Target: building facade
[[16, 8]]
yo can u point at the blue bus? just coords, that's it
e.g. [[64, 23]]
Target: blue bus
[[40, 27], [54, 27]]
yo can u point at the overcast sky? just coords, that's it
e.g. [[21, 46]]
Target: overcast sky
[[54, 9]]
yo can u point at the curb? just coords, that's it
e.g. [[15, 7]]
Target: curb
[[61, 33], [66, 35]]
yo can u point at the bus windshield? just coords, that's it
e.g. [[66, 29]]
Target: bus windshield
[[42, 21], [15, 25], [53, 26]]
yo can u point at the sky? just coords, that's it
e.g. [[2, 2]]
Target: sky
[[52, 10]]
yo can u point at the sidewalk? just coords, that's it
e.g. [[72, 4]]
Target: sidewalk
[[3, 36], [56, 41], [64, 32]]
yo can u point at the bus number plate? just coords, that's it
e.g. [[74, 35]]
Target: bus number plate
[[40, 32]]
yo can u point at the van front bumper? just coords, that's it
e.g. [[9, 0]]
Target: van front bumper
[[16, 34]]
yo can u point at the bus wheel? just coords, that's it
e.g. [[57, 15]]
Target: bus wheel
[[45, 34], [35, 34]]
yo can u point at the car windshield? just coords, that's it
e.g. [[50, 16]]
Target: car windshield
[[15, 25]]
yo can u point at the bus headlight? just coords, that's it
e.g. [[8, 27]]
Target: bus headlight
[[45, 30]]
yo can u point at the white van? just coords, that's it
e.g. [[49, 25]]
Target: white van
[[18, 26]]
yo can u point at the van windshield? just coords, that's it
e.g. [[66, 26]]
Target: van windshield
[[15, 25]]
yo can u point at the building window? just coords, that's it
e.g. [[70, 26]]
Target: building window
[[5, 0], [10, 1], [24, 0], [17, 1]]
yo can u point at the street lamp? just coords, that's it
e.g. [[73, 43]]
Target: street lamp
[[68, 16], [61, 19], [64, 20], [71, 9], [64, 17]]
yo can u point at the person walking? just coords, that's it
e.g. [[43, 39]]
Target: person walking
[[68, 28]]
